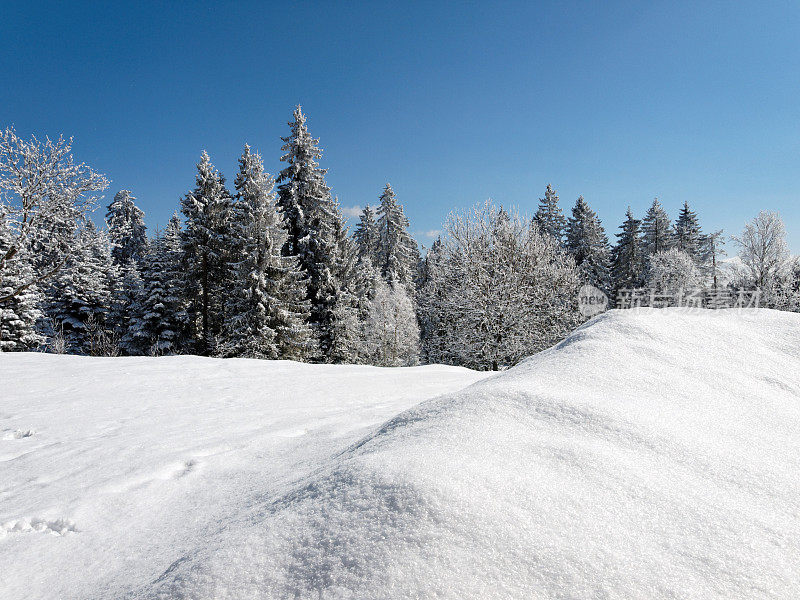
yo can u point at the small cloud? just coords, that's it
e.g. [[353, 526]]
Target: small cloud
[[431, 233], [351, 212]]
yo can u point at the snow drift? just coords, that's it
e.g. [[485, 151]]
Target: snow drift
[[654, 453]]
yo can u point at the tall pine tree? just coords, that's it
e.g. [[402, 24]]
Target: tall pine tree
[[656, 230], [398, 254], [126, 229], [207, 249], [627, 264], [687, 234], [367, 235], [548, 215], [586, 240]]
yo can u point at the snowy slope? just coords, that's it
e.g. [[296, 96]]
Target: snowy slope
[[653, 454], [111, 469]]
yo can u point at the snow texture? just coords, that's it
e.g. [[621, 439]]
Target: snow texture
[[652, 454]]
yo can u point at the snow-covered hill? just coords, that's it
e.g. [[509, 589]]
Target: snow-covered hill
[[654, 453]]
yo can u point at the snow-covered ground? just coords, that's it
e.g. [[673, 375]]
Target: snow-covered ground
[[652, 454]]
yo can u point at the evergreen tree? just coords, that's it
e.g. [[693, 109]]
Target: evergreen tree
[[367, 235], [160, 323], [126, 229], [312, 219], [19, 312], [79, 297], [548, 215], [712, 250], [627, 264], [587, 242], [656, 230], [126, 308], [687, 234], [207, 252], [268, 308], [397, 252]]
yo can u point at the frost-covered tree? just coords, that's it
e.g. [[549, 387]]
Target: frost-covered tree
[[656, 230], [268, 311], [312, 220], [763, 247], [126, 229], [687, 234], [398, 254], [498, 289], [673, 272], [712, 250], [367, 235], [79, 298], [391, 328], [587, 242], [46, 196], [548, 215], [207, 249], [627, 260], [126, 309], [20, 313], [160, 325]]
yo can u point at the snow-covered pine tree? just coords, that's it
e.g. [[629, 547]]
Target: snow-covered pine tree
[[126, 229], [312, 220], [587, 242], [687, 235], [656, 230], [268, 311], [161, 323], [627, 261], [126, 308], [548, 215], [207, 248], [391, 328], [21, 311], [78, 300], [367, 235], [398, 254], [712, 250]]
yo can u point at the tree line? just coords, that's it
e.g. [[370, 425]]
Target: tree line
[[268, 268]]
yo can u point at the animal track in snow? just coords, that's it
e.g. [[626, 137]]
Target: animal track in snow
[[19, 434], [51, 526]]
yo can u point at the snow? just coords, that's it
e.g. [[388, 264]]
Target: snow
[[653, 454]]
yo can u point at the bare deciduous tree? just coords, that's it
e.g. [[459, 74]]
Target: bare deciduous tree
[[764, 248]]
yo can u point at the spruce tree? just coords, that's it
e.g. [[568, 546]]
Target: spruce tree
[[656, 230], [20, 312], [268, 309], [126, 229], [687, 234], [126, 308], [312, 219], [398, 254], [548, 215], [627, 264], [587, 242], [207, 252], [367, 235]]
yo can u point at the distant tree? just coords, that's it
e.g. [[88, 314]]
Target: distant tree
[[587, 242], [498, 290], [711, 250], [20, 313], [206, 247], [45, 197], [392, 332], [126, 229], [627, 261], [367, 235], [549, 217], [673, 272], [687, 234], [397, 251], [656, 230], [763, 247], [126, 307]]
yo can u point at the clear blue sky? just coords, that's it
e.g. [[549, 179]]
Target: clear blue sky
[[450, 102]]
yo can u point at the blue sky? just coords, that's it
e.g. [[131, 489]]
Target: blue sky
[[450, 102]]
